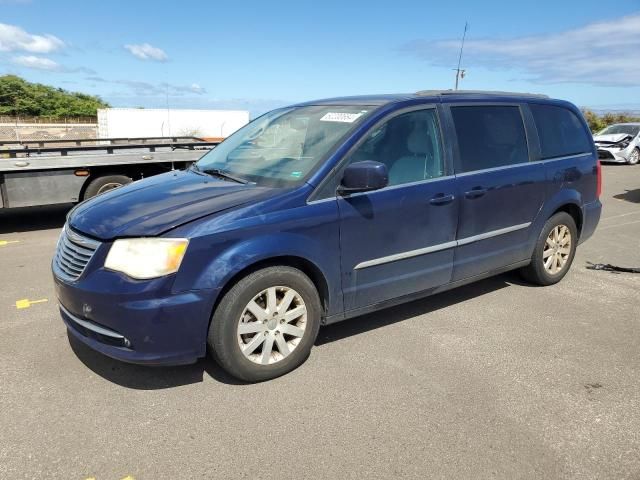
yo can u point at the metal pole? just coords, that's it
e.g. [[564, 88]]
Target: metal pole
[[464, 34]]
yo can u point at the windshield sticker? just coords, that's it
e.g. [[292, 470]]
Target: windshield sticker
[[340, 117], [296, 174]]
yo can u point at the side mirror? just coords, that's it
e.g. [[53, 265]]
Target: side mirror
[[363, 177]]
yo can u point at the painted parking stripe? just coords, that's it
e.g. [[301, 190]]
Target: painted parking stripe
[[128, 477], [26, 303], [7, 242], [606, 227]]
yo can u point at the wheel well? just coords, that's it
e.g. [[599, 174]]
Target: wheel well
[[98, 173], [302, 264], [573, 210], [133, 171]]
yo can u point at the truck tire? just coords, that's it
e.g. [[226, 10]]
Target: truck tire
[[266, 324], [103, 184], [554, 251]]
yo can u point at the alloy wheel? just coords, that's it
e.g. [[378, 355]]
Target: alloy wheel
[[272, 325], [557, 249]]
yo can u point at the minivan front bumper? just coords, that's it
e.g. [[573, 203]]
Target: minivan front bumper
[[614, 154], [144, 324]]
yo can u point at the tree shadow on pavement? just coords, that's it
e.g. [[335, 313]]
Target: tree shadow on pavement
[[632, 196], [15, 220]]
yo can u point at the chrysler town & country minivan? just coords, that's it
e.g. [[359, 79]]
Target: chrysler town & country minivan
[[321, 211]]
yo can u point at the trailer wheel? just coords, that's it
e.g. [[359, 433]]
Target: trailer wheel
[[101, 185]]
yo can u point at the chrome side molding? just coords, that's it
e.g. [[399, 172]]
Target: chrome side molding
[[441, 246]]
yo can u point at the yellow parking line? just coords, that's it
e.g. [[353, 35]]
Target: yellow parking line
[[7, 242], [26, 303]]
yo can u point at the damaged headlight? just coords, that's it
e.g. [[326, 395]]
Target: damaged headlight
[[624, 143]]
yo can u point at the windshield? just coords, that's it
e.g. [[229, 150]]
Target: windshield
[[282, 147], [629, 129]]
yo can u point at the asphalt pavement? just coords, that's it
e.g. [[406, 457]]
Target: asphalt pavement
[[498, 379]]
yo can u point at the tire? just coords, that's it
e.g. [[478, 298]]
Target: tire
[[634, 158], [537, 272], [226, 342], [103, 184]]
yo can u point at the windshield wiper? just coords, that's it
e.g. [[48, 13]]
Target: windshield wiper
[[223, 174]]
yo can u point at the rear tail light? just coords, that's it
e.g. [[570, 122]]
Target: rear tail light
[[599, 179]]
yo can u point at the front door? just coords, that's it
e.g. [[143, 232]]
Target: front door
[[400, 239]]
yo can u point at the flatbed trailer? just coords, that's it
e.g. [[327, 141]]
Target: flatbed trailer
[[46, 172]]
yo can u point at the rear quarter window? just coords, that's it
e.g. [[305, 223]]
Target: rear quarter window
[[560, 130]]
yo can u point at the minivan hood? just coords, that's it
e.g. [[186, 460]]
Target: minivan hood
[[610, 138], [155, 205]]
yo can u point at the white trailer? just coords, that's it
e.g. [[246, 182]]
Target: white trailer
[[45, 172], [143, 122]]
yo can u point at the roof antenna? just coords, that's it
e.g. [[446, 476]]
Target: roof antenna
[[460, 73]]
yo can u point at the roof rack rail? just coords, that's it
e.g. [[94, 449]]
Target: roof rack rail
[[430, 93]]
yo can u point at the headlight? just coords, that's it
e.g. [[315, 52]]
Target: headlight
[[624, 143], [144, 258]]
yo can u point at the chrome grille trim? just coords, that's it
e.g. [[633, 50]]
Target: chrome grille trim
[[92, 326], [72, 254]]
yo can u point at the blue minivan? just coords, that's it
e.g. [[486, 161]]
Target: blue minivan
[[321, 211]]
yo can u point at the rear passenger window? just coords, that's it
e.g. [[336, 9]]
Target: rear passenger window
[[489, 137], [560, 130]]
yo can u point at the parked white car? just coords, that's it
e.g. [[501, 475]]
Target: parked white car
[[619, 143]]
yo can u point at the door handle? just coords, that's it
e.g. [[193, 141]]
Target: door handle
[[475, 192], [442, 199]]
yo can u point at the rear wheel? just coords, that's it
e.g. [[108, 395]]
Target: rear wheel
[[634, 158], [266, 324], [554, 251], [103, 184]]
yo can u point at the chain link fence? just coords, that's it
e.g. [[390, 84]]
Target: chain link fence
[[29, 129]]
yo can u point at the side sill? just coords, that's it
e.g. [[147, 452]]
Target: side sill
[[422, 294]]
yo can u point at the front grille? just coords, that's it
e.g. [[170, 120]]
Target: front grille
[[72, 255], [604, 154]]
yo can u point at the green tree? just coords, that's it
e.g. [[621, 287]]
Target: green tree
[[598, 122], [19, 97]]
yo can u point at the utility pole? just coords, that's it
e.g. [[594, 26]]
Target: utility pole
[[460, 73]]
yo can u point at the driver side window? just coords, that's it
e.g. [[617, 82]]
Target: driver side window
[[408, 144]]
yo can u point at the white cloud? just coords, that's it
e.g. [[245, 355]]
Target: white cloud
[[184, 89], [15, 39], [38, 63], [601, 53], [43, 63], [147, 89], [195, 88], [144, 51]]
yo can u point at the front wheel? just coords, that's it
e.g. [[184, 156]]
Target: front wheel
[[266, 324], [634, 158], [554, 251]]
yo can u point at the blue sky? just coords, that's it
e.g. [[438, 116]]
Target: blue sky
[[259, 55]]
